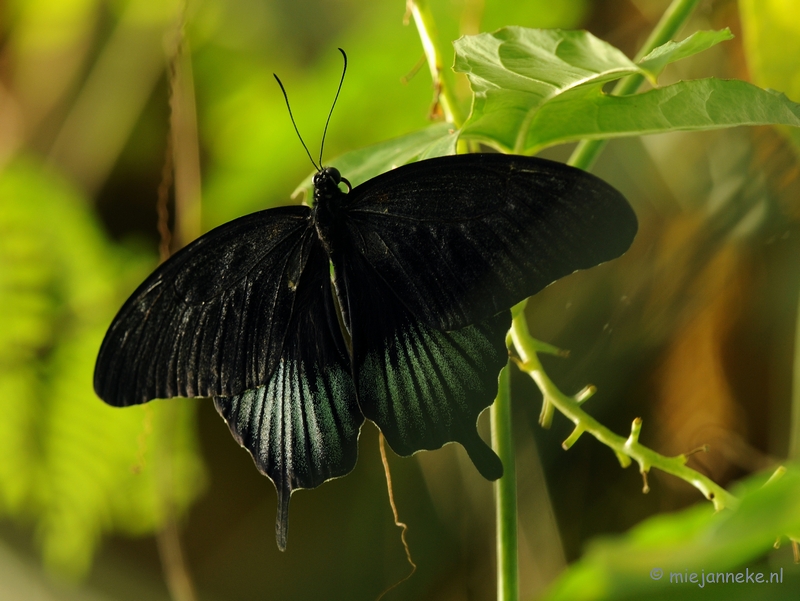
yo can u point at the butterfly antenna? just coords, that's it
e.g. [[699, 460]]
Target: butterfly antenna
[[291, 116], [341, 81]]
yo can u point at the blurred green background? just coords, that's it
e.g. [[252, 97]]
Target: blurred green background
[[693, 330]]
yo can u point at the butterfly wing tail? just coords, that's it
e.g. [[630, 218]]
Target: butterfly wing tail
[[282, 519], [302, 427]]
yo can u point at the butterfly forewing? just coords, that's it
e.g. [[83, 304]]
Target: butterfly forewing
[[212, 320], [461, 238]]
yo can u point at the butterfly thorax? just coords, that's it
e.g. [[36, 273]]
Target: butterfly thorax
[[328, 200]]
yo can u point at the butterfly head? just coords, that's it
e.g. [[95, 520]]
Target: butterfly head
[[326, 184]]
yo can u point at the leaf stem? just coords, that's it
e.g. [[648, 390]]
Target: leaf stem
[[505, 493], [426, 26], [587, 151], [626, 449]]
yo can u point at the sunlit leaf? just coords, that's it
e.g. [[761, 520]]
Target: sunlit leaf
[[515, 71], [695, 540], [700, 104], [535, 89], [670, 52]]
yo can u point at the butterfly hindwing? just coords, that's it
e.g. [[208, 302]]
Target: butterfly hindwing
[[461, 238], [302, 426], [211, 320], [423, 387]]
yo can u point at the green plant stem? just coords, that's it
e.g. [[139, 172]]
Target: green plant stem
[[426, 26], [629, 449], [505, 492], [671, 22], [626, 449], [502, 441]]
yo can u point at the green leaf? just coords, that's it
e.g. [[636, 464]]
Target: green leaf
[[515, 71], [539, 88], [695, 540], [70, 463], [361, 165], [670, 52], [700, 104]]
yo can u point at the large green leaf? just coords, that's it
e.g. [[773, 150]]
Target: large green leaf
[[699, 104], [656, 557], [538, 88], [515, 71], [72, 464]]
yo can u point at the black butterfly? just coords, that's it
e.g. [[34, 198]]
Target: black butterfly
[[427, 259]]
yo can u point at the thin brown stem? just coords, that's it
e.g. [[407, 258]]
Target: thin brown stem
[[397, 522], [182, 171], [185, 144], [173, 563], [162, 204]]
